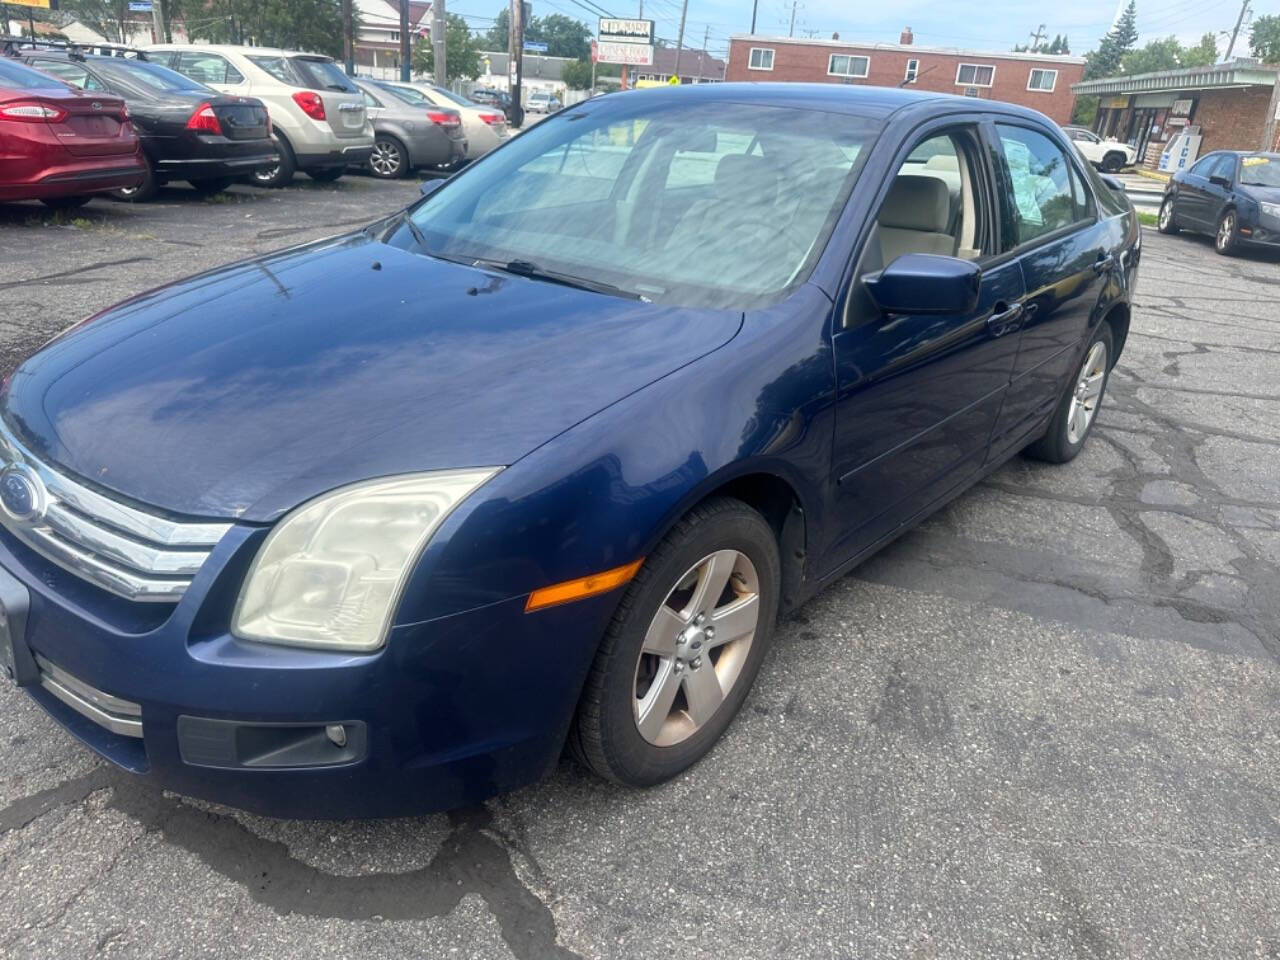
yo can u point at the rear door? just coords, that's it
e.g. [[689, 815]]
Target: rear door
[[918, 394], [1052, 228], [344, 108]]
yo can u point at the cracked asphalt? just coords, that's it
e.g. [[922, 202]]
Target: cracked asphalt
[[1043, 724]]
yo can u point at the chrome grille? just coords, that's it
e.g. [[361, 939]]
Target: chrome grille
[[122, 549], [115, 713]]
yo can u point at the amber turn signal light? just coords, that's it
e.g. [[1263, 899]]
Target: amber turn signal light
[[581, 588]]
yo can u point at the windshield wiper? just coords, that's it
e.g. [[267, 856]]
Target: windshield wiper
[[527, 268]]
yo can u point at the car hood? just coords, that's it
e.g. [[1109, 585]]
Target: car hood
[[247, 390]]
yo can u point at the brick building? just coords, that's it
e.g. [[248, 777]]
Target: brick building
[[1036, 80], [1231, 105]]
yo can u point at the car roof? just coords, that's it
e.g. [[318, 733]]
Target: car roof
[[233, 48], [833, 97]]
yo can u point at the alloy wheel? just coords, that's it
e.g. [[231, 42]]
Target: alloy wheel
[[1166, 214], [1088, 393], [267, 174], [1226, 230], [385, 159], [695, 647]]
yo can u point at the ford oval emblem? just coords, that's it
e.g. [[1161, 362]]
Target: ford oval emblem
[[21, 494], [96, 105]]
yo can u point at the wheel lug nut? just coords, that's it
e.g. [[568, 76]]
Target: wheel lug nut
[[710, 631], [679, 666], [700, 619], [695, 663]]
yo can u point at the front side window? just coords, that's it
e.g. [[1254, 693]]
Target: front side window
[[1225, 167], [1260, 171], [1043, 80], [913, 70], [714, 205], [1201, 167], [71, 73], [843, 66], [208, 68], [975, 75], [761, 59], [1045, 191]]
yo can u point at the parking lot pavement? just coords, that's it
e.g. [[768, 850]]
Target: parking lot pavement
[[1043, 724]]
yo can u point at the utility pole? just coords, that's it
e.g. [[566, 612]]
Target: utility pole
[[684, 11], [439, 28], [792, 31], [157, 22], [755, 6], [348, 41], [1037, 37], [1231, 44], [1272, 126], [706, 34], [517, 60], [405, 74]]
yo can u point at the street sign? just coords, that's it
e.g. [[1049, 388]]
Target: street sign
[[535, 47], [628, 54], [613, 30], [140, 6], [42, 4]]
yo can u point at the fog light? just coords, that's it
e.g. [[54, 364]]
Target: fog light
[[337, 734]]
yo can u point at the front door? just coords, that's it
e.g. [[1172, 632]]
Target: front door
[[918, 394], [1053, 229]]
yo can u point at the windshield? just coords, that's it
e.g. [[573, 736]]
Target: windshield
[[1260, 171], [701, 204], [150, 76], [19, 77]]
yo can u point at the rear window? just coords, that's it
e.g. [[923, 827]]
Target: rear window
[[151, 77], [323, 75], [20, 77]]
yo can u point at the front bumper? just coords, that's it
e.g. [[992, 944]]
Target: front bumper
[[449, 712]]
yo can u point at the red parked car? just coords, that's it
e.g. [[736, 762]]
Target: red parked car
[[62, 145]]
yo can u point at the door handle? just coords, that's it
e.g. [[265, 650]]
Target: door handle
[[1104, 263], [1006, 319]]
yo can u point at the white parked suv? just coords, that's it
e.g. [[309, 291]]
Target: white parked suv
[[317, 114], [1108, 155]]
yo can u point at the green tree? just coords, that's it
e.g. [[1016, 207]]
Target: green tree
[[1156, 55], [310, 25], [1203, 54], [107, 17], [1264, 38], [577, 75], [564, 36], [1107, 60], [496, 38], [461, 52]]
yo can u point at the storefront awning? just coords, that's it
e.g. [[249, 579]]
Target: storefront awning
[[1189, 78]]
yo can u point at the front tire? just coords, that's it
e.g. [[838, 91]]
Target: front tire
[[1078, 410], [142, 192], [1226, 239], [281, 175], [683, 649], [326, 174], [210, 185], [1166, 223], [1113, 162]]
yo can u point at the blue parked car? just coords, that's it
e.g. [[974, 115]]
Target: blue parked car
[[1234, 196], [381, 523]]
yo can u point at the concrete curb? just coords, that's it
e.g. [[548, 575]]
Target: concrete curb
[[1152, 174]]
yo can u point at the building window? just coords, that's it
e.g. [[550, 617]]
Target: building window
[[761, 59], [913, 68], [1043, 80], [975, 75], [844, 66], [395, 36]]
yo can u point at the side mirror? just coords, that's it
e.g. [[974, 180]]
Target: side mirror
[[926, 283], [431, 186], [1111, 182], [1220, 181]]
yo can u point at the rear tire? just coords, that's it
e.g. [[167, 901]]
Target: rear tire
[[1078, 409], [389, 160], [1113, 162], [662, 688], [281, 175], [142, 192], [1167, 223], [1226, 239], [211, 185], [66, 203], [327, 174]]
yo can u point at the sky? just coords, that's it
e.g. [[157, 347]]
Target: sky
[[974, 24]]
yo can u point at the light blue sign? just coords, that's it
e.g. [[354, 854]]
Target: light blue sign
[[535, 47], [140, 6]]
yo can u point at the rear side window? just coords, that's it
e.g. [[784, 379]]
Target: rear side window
[[1045, 191], [150, 76], [208, 68], [323, 75], [75, 75]]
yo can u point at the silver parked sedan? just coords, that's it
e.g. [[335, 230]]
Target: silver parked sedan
[[485, 127], [407, 135]]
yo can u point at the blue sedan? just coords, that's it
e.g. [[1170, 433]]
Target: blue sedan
[[383, 523], [1232, 195]]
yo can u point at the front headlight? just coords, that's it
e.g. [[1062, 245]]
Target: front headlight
[[331, 572], [1271, 209]]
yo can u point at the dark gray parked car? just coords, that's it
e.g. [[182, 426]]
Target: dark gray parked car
[[407, 136]]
